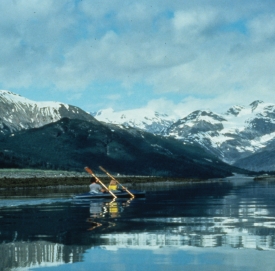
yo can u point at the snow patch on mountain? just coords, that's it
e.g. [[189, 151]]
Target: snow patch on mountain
[[20, 102], [240, 132], [237, 133], [142, 118], [17, 112]]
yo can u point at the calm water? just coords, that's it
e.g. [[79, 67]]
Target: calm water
[[226, 225]]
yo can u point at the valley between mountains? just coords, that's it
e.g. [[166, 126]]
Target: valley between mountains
[[52, 135]]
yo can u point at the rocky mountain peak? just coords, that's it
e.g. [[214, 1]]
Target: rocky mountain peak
[[4, 93], [19, 113], [255, 104], [205, 115], [234, 110], [239, 133]]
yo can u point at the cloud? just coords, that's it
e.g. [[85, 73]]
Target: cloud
[[262, 28], [194, 22], [200, 49], [31, 45], [218, 104]]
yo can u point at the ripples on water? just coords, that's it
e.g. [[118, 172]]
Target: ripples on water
[[226, 225]]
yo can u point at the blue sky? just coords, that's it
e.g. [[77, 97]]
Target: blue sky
[[166, 55]]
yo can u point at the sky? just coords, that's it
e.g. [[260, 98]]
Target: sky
[[171, 56]]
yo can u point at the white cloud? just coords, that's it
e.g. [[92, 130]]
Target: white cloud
[[195, 20], [196, 49]]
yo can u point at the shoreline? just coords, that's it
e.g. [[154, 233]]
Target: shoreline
[[37, 178], [44, 182]]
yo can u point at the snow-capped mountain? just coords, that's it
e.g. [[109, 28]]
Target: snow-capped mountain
[[71, 144], [17, 112], [144, 119], [236, 134], [239, 133]]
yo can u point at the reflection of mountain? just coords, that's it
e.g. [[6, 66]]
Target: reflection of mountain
[[187, 217], [249, 226], [179, 233], [65, 222], [17, 251], [242, 218], [178, 238], [40, 253]]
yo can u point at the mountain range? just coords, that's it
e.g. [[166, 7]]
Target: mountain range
[[71, 144], [144, 119], [51, 135], [243, 136]]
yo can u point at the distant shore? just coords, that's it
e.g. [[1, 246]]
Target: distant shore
[[76, 181], [265, 178], [18, 178]]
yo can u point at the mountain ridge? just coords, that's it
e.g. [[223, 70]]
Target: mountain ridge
[[17, 112], [71, 144], [236, 134], [143, 118]]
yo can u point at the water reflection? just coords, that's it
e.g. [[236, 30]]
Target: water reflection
[[203, 232], [106, 209], [113, 208], [39, 253], [24, 246], [58, 232]]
